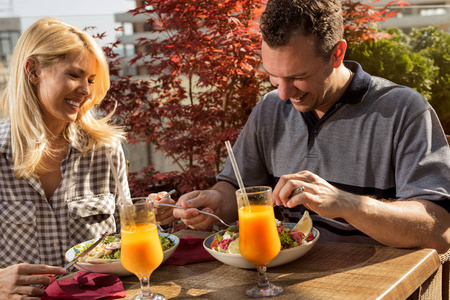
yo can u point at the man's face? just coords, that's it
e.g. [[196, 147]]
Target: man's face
[[301, 75]]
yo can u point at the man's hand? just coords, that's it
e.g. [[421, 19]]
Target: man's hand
[[208, 200], [318, 196]]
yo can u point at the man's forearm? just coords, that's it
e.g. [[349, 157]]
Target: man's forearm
[[228, 206], [403, 224]]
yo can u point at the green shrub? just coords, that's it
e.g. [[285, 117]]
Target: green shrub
[[435, 44], [420, 60]]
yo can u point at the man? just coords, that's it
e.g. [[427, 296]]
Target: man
[[371, 155]]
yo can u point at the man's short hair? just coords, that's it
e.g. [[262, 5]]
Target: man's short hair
[[322, 19]]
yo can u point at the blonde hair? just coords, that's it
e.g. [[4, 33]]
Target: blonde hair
[[49, 41]]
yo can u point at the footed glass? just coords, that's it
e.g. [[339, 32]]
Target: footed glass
[[141, 250], [258, 236]]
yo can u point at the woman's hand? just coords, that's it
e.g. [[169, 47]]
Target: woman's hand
[[164, 214], [16, 281]]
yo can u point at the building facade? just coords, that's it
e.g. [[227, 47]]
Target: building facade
[[9, 34], [420, 13]]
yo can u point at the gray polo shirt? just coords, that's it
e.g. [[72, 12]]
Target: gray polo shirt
[[380, 139]]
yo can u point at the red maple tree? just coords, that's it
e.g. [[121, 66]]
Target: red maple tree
[[361, 20], [205, 78]]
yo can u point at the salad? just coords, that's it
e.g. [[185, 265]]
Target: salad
[[109, 250], [166, 243], [222, 241], [228, 241]]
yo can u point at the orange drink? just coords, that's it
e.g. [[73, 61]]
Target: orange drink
[[258, 235], [141, 249]]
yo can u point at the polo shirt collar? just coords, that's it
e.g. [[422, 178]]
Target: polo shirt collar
[[354, 94], [359, 85]]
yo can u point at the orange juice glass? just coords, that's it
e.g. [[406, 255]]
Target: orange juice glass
[[258, 235], [141, 250], [259, 249]]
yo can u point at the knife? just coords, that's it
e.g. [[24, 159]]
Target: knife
[[82, 254]]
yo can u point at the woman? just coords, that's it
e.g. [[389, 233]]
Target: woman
[[56, 186]]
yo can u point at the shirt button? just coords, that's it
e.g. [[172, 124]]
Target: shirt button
[[55, 244]]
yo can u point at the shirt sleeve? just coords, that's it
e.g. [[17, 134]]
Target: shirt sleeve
[[422, 160], [248, 152]]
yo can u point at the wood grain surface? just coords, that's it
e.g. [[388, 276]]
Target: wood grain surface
[[328, 271]]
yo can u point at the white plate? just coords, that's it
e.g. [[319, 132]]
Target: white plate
[[284, 257], [116, 267]]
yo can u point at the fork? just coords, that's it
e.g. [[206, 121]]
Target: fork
[[178, 206], [200, 211]]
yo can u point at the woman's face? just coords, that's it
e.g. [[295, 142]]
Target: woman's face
[[64, 87]]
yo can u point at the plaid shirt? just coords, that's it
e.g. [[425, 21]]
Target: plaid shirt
[[38, 230]]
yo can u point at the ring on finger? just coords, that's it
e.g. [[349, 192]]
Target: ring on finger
[[297, 191]]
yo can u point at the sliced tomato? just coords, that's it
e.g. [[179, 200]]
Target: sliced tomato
[[214, 244]]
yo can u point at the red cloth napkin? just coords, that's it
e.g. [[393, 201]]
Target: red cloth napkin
[[190, 250], [85, 285]]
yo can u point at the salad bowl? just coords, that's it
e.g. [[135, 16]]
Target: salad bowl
[[114, 266], [285, 256]]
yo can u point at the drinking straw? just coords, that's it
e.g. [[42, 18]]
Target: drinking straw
[[236, 172], [118, 183]]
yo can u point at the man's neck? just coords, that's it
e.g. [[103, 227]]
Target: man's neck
[[343, 77]]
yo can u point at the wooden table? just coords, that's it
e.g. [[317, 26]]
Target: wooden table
[[328, 271]]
